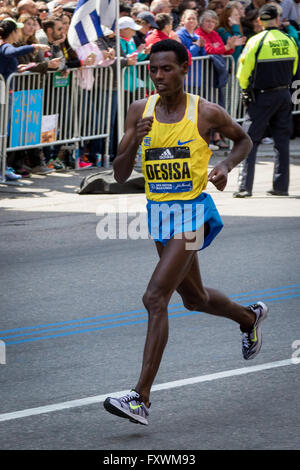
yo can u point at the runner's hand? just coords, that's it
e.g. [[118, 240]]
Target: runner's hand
[[143, 127], [218, 176]]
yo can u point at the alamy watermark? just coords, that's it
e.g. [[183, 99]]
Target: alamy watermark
[[124, 218], [2, 352]]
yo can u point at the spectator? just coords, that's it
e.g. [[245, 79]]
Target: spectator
[[213, 42], [230, 25], [251, 24], [160, 6], [286, 26], [43, 10], [54, 30], [291, 10], [199, 6], [175, 13], [164, 23], [216, 47], [138, 8], [128, 27], [194, 44], [255, 5], [9, 65], [147, 21], [27, 6], [9, 53], [6, 12], [217, 6], [124, 9]]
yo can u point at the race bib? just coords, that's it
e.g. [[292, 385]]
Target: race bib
[[168, 170]]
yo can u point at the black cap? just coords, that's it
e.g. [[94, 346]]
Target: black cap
[[149, 17], [268, 12]]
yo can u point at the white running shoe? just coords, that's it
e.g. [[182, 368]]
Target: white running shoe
[[130, 406], [252, 340]]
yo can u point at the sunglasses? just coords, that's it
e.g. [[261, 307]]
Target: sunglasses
[[44, 10]]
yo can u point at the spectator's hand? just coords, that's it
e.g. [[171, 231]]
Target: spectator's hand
[[65, 73], [90, 60], [285, 22], [57, 10], [232, 21], [132, 59], [54, 63], [41, 47], [25, 67], [111, 53], [141, 48], [60, 41], [239, 40], [200, 42]]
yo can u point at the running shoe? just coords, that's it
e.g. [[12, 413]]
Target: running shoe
[[82, 164], [11, 174], [252, 340], [130, 406]]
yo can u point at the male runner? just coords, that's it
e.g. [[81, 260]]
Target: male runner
[[174, 128]]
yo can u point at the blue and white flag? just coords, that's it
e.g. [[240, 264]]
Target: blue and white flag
[[87, 19]]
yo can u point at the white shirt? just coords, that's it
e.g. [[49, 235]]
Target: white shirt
[[291, 10]]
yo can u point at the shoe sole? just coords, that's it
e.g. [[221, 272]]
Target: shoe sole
[[123, 414], [258, 330]]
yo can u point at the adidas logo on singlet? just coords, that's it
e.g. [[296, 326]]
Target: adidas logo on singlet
[[166, 154]]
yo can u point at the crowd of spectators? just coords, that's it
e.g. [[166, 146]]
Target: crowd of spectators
[[33, 37]]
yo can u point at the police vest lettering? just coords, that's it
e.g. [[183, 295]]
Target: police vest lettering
[[279, 47]]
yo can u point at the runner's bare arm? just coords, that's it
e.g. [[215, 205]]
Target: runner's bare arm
[[136, 128], [221, 122]]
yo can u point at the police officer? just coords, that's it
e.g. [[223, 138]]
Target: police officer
[[266, 68]]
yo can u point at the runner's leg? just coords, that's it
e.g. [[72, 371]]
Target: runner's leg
[[173, 266]]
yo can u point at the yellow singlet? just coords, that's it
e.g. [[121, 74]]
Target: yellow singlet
[[174, 156]]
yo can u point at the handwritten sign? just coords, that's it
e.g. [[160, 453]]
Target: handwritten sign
[[26, 118]]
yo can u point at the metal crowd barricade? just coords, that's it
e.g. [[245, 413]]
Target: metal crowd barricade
[[70, 109], [2, 125]]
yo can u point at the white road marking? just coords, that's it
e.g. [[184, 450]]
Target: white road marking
[[165, 386]]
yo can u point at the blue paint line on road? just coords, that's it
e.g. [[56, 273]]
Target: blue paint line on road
[[172, 307], [86, 330], [132, 322]]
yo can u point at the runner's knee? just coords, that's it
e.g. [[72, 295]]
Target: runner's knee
[[155, 300]]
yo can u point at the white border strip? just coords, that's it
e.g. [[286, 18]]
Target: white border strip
[[166, 386]]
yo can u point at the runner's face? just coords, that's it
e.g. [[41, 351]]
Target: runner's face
[[165, 72]]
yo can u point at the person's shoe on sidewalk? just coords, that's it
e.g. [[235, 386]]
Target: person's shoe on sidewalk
[[242, 193], [252, 339], [11, 174], [41, 170], [276, 192], [130, 406]]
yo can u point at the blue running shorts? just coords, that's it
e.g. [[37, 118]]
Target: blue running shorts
[[165, 219]]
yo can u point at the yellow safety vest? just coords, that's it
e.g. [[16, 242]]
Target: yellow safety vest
[[277, 60]]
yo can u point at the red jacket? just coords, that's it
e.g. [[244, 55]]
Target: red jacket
[[213, 42], [157, 36]]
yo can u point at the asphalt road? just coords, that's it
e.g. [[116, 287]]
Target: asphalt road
[[74, 325]]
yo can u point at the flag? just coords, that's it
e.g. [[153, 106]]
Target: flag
[[87, 19]]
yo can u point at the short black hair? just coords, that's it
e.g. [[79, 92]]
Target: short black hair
[[170, 45], [7, 26]]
